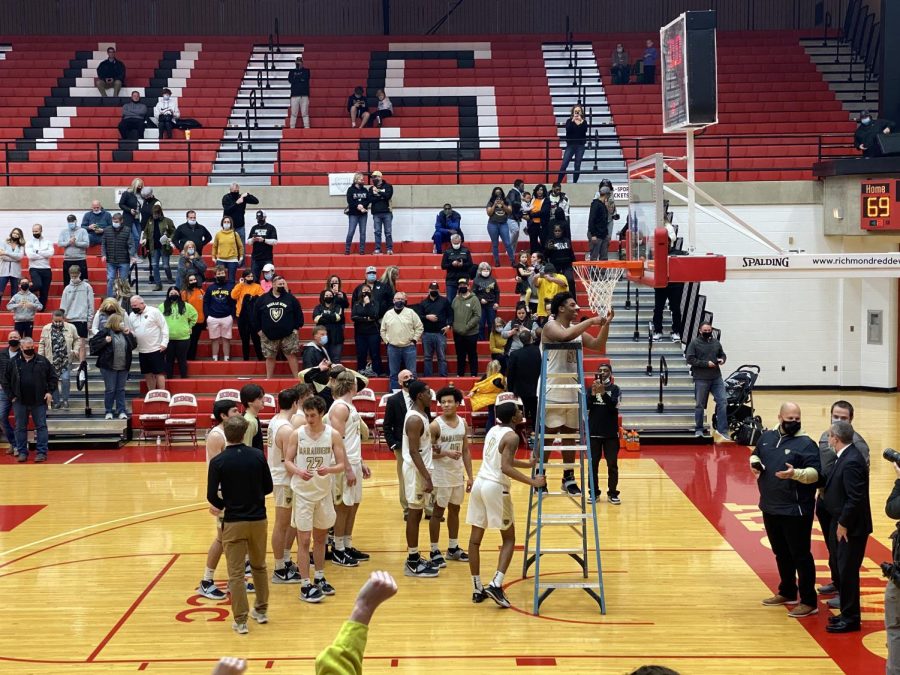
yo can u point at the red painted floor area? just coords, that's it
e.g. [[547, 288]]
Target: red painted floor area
[[718, 482], [11, 516]]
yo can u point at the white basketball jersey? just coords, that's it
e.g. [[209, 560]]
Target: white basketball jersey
[[275, 456], [215, 431], [491, 462], [450, 472], [352, 438], [424, 440], [313, 453]]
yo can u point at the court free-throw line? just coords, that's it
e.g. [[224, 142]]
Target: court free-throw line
[[69, 461], [108, 522]]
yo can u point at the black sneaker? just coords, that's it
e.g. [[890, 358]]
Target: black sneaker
[[343, 559], [208, 589], [496, 594], [325, 587], [419, 568], [571, 487], [437, 559], [356, 554], [479, 596], [457, 554], [285, 576], [311, 593]]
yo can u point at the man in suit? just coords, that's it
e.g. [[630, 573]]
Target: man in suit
[[394, 416], [522, 374], [847, 501]]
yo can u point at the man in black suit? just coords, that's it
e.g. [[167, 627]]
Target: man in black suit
[[847, 501], [394, 417], [522, 374]]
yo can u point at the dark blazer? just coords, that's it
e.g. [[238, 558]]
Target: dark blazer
[[847, 493], [394, 417], [524, 370]]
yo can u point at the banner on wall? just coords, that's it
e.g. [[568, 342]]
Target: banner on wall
[[813, 265], [339, 183]]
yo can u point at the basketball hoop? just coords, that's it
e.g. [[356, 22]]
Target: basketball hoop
[[600, 278]]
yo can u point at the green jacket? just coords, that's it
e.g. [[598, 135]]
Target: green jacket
[[466, 314], [180, 323], [166, 227]]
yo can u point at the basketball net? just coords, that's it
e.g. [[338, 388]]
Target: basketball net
[[599, 282]]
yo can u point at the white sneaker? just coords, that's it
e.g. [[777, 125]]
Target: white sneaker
[[215, 358], [240, 628], [676, 337], [657, 337], [259, 617], [123, 416], [108, 416]]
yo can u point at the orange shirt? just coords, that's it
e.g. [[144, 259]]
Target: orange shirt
[[194, 298], [242, 290]]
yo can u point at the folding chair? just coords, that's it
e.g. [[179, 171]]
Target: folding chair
[[379, 419], [182, 420], [156, 412], [364, 401]]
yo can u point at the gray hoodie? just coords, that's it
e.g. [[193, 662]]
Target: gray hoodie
[[78, 301], [78, 251], [20, 312]]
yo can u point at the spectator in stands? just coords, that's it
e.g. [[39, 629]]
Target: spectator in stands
[[78, 304], [298, 78], [39, 251], [30, 382], [234, 205], [6, 355], [57, 345], [498, 211], [598, 226], [130, 203], [539, 216], [11, 261], [96, 221], [110, 74], [466, 319], [457, 262], [335, 284], [447, 223], [74, 242], [117, 251], [651, 56], [548, 282], [148, 201], [706, 357], [577, 130], [357, 106], [166, 113], [401, 330], [228, 248], [383, 110], [498, 343], [219, 309], [523, 272], [487, 290], [189, 262], [262, 237], [244, 295], [437, 319], [114, 345], [152, 334], [514, 199], [24, 305], [515, 330], [484, 392], [331, 315], [357, 213], [366, 331], [523, 371], [621, 65], [371, 283], [134, 118], [559, 208], [101, 317], [181, 318], [538, 260], [380, 194], [192, 231], [561, 254], [158, 233], [315, 352], [192, 293], [279, 318], [866, 136]]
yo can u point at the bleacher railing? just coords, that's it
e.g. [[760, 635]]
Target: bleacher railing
[[536, 159]]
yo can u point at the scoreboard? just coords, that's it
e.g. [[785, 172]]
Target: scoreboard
[[879, 205], [688, 71]]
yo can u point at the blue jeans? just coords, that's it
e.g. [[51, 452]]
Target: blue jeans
[[65, 379], [156, 255], [5, 409], [442, 236], [488, 314], [114, 390], [230, 267], [513, 228], [38, 414], [112, 269], [386, 219], [13, 285], [498, 231], [369, 346], [576, 151], [452, 290], [354, 221], [400, 358], [435, 344], [702, 390]]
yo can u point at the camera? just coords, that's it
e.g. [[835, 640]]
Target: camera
[[892, 572], [891, 455]]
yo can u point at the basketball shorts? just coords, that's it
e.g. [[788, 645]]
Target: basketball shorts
[[308, 515], [490, 506], [284, 496], [449, 495], [346, 494], [414, 486]]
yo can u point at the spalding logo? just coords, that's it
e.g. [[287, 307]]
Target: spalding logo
[[766, 262]]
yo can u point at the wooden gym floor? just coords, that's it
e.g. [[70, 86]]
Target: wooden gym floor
[[99, 560]]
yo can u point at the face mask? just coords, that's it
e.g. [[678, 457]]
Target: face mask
[[24, 287], [456, 247], [366, 295], [220, 280], [28, 352], [463, 289], [866, 120], [36, 235], [323, 340], [95, 211], [433, 294], [73, 226], [13, 343], [837, 419], [226, 226], [137, 310], [192, 222], [328, 299], [268, 276], [192, 284], [405, 385], [57, 325], [399, 305], [117, 225], [791, 428], [190, 251], [706, 336], [166, 97], [248, 280], [173, 297], [370, 277], [485, 273]]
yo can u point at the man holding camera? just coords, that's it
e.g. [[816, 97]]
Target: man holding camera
[[892, 572], [847, 501]]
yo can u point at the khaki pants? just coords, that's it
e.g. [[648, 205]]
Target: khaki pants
[[239, 540], [300, 104], [103, 87]]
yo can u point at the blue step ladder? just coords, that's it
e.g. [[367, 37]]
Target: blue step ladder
[[581, 515]]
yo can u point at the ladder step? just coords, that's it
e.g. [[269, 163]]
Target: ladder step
[[562, 406], [551, 387], [569, 375], [565, 448], [563, 465], [569, 584], [561, 436], [567, 551], [562, 518]]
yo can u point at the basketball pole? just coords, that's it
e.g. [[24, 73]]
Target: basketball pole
[[691, 194]]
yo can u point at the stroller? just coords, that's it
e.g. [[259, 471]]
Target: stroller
[[744, 425]]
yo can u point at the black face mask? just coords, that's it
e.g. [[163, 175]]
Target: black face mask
[[706, 336], [329, 300], [13, 343], [28, 352], [220, 280], [791, 428], [433, 294], [192, 284], [24, 287], [173, 297], [463, 289], [137, 310]]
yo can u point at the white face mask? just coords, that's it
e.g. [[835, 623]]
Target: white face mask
[[456, 246], [166, 97], [227, 226], [485, 273], [192, 222], [268, 276]]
